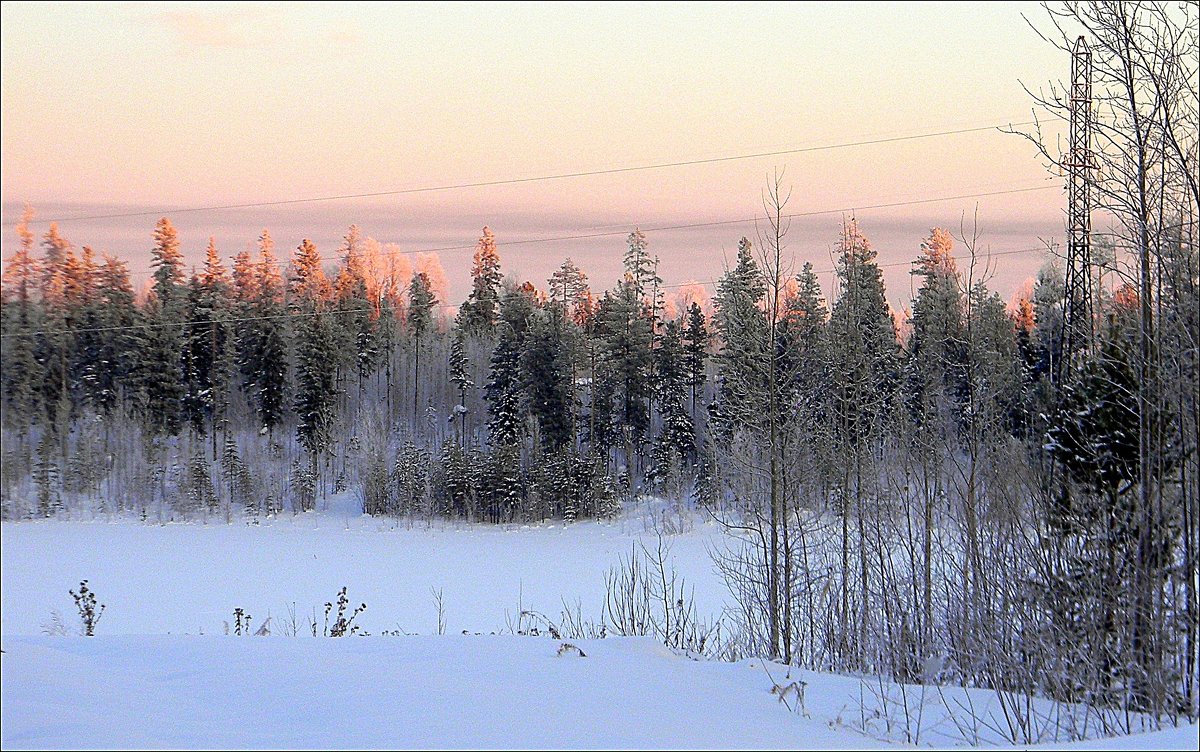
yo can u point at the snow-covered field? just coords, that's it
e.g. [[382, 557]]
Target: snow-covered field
[[161, 673], [188, 578]]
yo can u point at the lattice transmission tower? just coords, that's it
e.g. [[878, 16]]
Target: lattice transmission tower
[[1077, 335]]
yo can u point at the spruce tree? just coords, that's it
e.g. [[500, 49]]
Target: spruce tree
[[20, 368], [316, 354], [356, 322], [863, 340], [503, 391], [626, 359], [546, 375], [116, 371], [266, 366], [677, 440], [482, 308], [89, 341], [162, 379], [461, 378], [695, 352], [741, 326], [501, 485], [56, 341], [457, 488], [421, 302], [808, 335], [936, 347]]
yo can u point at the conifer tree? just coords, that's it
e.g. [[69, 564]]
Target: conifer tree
[[936, 346], [20, 367], [457, 487], [421, 302], [89, 339], [569, 288], [482, 308], [627, 334], [677, 440], [56, 342], [162, 379], [695, 352], [209, 350], [461, 378], [316, 354], [546, 374], [356, 323], [501, 484], [741, 325], [504, 391], [642, 269], [863, 340], [808, 337], [115, 371], [266, 366], [1049, 293], [411, 474]]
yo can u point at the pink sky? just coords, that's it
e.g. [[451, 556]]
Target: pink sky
[[141, 108]]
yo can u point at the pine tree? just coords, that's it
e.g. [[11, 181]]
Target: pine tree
[[642, 269], [569, 288]]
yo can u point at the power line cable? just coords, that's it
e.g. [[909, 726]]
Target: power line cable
[[537, 178], [699, 225]]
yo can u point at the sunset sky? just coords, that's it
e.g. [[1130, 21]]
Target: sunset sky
[[115, 108]]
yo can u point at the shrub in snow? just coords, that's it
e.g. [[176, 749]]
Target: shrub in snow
[[341, 625], [241, 622], [85, 601]]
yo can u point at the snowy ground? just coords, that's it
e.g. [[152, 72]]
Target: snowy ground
[[188, 578], [161, 673]]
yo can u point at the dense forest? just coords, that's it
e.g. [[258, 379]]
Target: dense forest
[[957, 496]]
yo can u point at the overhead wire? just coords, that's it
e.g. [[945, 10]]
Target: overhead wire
[[696, 225], [535, 178]]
